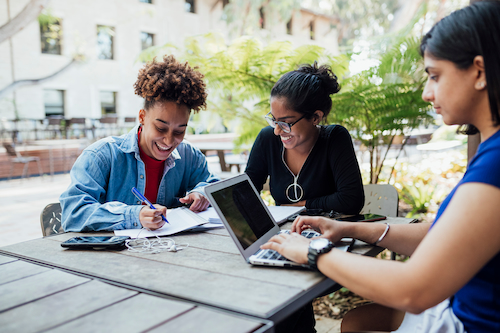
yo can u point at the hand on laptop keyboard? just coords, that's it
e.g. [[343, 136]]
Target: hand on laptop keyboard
[[305, 233]]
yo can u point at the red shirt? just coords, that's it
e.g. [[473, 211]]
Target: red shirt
[[154, 172]]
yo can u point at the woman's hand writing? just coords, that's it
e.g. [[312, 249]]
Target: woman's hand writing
[[151, 218]]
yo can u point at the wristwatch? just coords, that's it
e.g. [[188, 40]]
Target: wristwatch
[[317, 247]]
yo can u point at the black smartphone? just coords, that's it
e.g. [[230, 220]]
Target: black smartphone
[[96, 243], [307, 212], [362, 218]]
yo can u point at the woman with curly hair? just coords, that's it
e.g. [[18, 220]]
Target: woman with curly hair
[[152, 157], [308, 164]]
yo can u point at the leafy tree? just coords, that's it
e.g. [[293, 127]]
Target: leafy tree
[[385, 101], [358, 17], [375, 105], [244, 17], [240, 75]]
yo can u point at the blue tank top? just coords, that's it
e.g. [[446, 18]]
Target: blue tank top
[[477, 304]]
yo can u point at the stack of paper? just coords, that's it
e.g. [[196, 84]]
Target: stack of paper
[[182, 219], [179, 219]]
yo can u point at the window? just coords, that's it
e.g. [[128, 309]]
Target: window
[[51, 36], [147, 40], [311, 30], [108, 102], [54, 102], [189, 6], [146, 1], [105, 36], [289, 26], [262, 19]]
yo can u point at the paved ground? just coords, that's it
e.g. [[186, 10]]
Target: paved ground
[[23, 201]]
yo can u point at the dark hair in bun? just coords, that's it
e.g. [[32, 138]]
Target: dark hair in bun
[[308, 89]]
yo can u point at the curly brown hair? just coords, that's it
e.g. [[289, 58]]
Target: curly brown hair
[[173, 81]]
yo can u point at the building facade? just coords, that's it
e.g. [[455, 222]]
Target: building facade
[[110, 34]]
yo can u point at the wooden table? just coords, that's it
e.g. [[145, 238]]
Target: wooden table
[[221, 148], [210, 272], [35, 298]]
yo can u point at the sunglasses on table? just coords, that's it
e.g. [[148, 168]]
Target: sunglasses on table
[[285, 127]]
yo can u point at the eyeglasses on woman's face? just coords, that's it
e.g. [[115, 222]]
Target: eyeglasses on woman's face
[[285, 127]]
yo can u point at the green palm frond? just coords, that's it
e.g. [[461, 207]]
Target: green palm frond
[[373, 105]]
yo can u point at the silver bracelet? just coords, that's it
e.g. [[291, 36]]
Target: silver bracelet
[[383, 235]]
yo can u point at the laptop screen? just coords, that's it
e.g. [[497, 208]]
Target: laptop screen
[[244, 212]]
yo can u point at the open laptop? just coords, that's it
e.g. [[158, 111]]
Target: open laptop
[[248, 220]]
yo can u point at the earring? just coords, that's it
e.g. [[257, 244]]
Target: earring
[[482, 84]]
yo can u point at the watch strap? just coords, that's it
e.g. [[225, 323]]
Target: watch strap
[[313, 254]]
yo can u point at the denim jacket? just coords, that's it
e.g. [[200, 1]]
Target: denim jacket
[[100, 197]]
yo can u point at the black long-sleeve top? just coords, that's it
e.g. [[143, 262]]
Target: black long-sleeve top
[[330, 176]]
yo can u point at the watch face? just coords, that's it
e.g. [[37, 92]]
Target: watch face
[[319, 243]]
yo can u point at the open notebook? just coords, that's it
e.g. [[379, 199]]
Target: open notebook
[[248, 220], [182, 219]]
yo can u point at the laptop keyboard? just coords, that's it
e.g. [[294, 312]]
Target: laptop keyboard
[[274, 255]]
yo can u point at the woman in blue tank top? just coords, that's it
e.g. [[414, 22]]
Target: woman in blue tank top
[[451, 283]]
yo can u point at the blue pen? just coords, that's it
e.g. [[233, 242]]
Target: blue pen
[[143, 199]]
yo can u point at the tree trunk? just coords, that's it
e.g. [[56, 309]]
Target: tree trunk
[[17, 84], [440, 11], [405, 13], [380, 164], [29, 13]]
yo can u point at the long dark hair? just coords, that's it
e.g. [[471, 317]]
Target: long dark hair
[[465, 34], [308, 89]]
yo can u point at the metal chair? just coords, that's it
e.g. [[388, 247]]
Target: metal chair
[[128, 124], [77, 126], [50, 219], [108, 126], [16, 157], [381, 199], [56, 125]]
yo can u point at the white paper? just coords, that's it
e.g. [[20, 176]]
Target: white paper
[[179, 219], [281, 213], [210, 215]]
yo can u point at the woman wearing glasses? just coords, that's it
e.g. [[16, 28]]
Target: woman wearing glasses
[[451, 281], [308, 164]]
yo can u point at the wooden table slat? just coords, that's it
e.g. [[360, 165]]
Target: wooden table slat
[[135, 314], [62, 307], [213, 322], [218, 254], [37, 286], [211, 288], [209, 272], [6, 259], [19, 269]]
